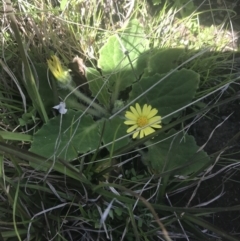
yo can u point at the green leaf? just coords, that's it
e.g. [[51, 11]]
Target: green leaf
[[113, 130], [45, 91], [162, 61], [63, 4], [29, 117], [174, 92], [51, 96], [96, 82], [68, 139], [71, 101], [156, 2], [118, 211], [114, 62], [174, 150], [186, 7], [14, 136]]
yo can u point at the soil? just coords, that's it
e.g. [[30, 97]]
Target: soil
[[226, 182]]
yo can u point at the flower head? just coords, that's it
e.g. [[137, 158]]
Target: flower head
[[59, 72], [61, 108], [143, 120]]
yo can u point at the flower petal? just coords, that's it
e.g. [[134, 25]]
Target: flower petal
[[134, 111], [152, 113], [61, 108], [146, 110], [132, 128], [130, 122], [149, 108], [148, 130], [129, 115], [59, 72], [156, 126], [141, 134], [155, 120], [138, 108], [135, 134]]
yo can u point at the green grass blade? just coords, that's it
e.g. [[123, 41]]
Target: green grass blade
[[204, 224], [14, 212], [14, 136], [29, 82], [59, 165]]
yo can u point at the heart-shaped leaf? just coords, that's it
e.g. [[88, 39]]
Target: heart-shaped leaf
[[174, 150], [66, 136], [118, 57], [172, 93]]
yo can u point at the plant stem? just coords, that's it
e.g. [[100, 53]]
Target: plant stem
[[115, 94], [88, 110], [89, 101]]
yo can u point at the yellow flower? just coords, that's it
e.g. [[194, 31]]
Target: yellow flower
[[144, 120], [60, 73]]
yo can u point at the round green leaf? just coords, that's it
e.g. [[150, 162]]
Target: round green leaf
[[66, 138], [113, 130], [164, 60], [175, 151], [174, 92], [119, 67]]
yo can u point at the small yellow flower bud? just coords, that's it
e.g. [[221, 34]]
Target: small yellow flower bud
[[60, 73]]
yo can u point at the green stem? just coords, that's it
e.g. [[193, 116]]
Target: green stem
[[115, 94], [99, 109], [89, 110]]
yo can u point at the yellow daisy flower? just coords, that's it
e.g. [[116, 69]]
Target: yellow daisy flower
[[59, 72], [139, 118]]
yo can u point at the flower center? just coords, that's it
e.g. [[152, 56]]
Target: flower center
[[142, 121]]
